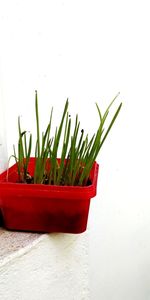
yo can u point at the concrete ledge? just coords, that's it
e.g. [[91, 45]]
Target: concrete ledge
[[43, 266]]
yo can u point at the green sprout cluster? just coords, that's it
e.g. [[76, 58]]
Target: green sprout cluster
[[78, 151]]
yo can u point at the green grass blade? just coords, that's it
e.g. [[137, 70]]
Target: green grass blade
[[37, 124], [64, 150], [111, 124]]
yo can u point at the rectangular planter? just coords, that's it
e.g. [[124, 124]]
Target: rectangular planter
[[45, 208]]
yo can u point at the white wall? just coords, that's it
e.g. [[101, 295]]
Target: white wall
[[88, 51], [3, 137]]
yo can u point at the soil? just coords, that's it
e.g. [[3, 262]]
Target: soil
[[30, 180]]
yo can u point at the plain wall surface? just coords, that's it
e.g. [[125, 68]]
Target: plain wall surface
[[3, 137], [88, 51]]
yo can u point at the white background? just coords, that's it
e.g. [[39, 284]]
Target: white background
[[88, 51]]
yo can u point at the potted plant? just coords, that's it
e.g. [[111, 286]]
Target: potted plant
[[47, 194]]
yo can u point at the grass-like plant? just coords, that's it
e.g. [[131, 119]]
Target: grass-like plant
[[78, 151]]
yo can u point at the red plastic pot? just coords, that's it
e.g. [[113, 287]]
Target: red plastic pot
[[45, 208]]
